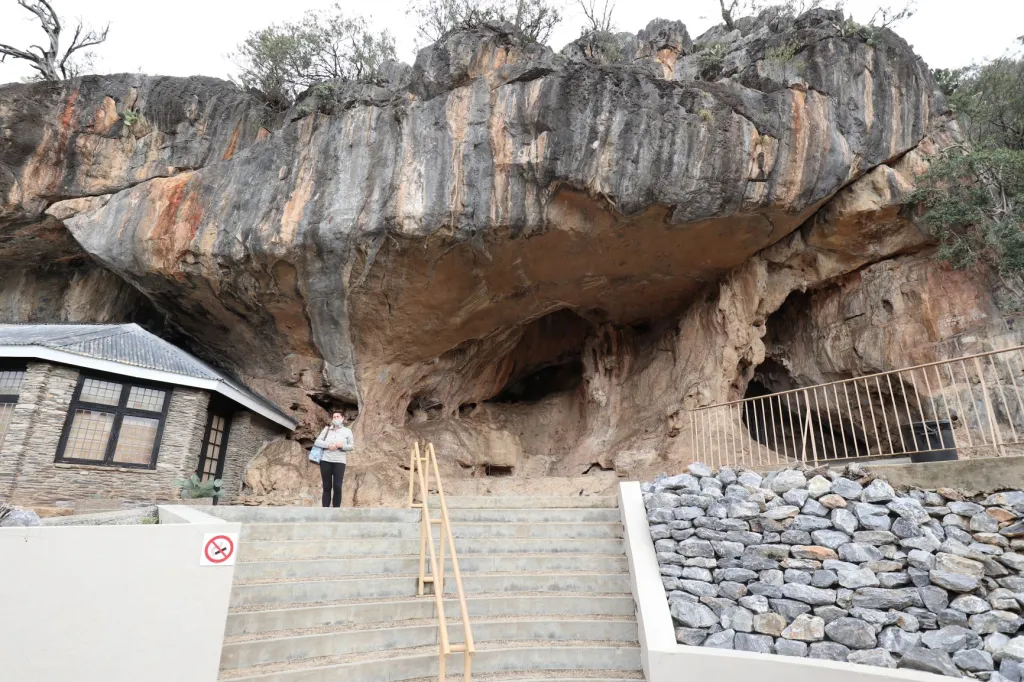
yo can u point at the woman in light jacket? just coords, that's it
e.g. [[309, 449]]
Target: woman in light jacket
[[336, 439]]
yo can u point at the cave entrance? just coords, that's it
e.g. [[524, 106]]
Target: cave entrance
[[797, 425], [838, 419], [543, 382], [547, 361]]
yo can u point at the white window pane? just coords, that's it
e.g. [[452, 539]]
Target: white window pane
[[90, 432], [101, 392], [149, 399], [136, 440], [10, 382], [6, 412]]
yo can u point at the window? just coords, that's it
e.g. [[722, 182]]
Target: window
[[114, 422], [211, 460], [10, 387]]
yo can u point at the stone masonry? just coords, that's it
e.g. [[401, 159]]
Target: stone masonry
[[842, 567], [248, 434], [30, 447]]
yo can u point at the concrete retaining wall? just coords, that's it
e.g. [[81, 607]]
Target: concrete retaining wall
[[663, 659], [113, 603], [973, 475]]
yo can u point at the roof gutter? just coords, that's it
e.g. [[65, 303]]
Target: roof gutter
[[212, 385]]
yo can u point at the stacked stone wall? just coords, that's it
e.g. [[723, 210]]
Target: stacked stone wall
[[842, 567]]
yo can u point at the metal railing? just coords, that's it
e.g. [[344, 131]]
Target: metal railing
[[421, 468], [974, 404]]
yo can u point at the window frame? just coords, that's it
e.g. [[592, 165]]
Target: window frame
[[11, 366], [11, 398], [227, 415], [120, 411]]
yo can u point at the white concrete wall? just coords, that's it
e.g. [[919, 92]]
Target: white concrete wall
[[113, 603], [664, 660]]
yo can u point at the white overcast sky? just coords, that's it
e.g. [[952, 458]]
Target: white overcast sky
[[187, 37]]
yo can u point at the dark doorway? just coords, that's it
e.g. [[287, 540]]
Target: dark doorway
[[215, 442]]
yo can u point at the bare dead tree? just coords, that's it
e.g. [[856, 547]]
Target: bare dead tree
[[599, 19], [50, 62], [887, 16]]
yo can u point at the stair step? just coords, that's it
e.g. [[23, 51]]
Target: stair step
[[256, 550], [508, 604], [416, 663], [547, 676], [396, 586], [243, 514], [529, 502], [360, 530], [398, 636], [247, 572], [578, 515]]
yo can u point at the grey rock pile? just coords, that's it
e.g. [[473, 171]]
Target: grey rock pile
[[840, 566]]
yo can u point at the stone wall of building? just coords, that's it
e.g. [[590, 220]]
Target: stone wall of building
[[32, 391], [28, 452], [249, 432]]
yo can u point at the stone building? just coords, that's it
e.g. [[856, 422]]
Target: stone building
[[112, 413]]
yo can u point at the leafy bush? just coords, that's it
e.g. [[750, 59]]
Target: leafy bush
[[710, 60], [531, 19], [973, 194], [784, 52], [194, 488], [284, 59], [130, 117], [706, 115]]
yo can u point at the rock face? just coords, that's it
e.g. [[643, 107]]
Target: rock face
[[956, 619], [501, 249]]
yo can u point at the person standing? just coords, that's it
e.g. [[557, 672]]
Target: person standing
[[335, 440]]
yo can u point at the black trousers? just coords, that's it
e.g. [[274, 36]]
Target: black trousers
[[332, 473]]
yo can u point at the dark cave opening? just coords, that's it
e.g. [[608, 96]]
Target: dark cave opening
[[543, 382], [799, 424], [331, 405], [548, 360]]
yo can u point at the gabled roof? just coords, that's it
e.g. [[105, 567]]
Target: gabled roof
[[128, 350]]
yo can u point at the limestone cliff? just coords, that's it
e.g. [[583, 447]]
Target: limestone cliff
[[536, 260]]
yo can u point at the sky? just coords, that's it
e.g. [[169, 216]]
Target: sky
[[190, 37]]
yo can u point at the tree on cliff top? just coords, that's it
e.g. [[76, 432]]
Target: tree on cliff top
[[52, 63], [973, 194], [284, 59], [532, 19], [885, 16]]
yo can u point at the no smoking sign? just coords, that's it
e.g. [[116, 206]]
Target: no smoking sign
[[218, 549]]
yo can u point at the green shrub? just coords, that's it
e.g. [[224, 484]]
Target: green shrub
[[710, 60], [130, 117], [194, 488], [706, 115], [784, 52]]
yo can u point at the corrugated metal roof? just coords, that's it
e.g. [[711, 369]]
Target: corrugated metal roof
[[126, 344]]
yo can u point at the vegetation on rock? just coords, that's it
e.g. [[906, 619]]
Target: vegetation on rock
[[532, 19], [285, 59], [974, 192]]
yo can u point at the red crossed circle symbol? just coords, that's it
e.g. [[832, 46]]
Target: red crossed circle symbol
[[219, 549]]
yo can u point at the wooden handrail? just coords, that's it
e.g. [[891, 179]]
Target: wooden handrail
[[420, 470]]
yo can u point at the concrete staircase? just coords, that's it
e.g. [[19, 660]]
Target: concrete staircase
[[324, 594]]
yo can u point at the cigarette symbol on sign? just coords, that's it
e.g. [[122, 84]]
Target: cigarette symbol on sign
[[219, 549]]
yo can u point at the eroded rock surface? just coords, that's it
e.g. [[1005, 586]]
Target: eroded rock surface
[[538, 261]]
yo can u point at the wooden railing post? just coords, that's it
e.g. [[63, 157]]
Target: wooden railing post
[[422, 467]]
